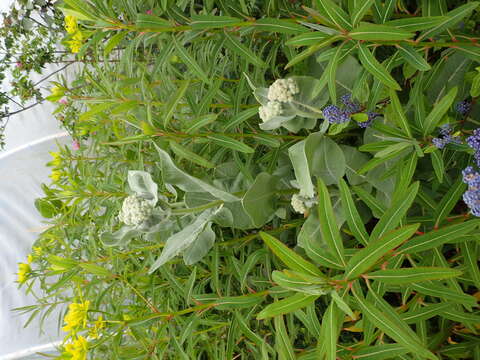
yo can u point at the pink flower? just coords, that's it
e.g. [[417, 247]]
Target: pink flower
[[19, 64], [149, 12], [63, 101], [75, 145]]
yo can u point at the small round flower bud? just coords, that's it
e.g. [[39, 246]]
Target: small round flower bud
[[272, 109], [301, 204], [135, 210], [282, 90]]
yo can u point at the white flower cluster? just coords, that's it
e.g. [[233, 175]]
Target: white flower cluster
[[272, 109], [135, 210], [282, 90], [301, 204]]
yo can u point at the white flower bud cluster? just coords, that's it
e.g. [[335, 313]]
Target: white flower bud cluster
[[272, 109], [301, 204], [135, 210], [282, 90]]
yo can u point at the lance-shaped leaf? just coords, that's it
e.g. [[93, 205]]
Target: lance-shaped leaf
[[392, 217], [301, 282], [171, 106], [375, 68], [231, 302], [417, 23], [355, 223], [283, 343], [334, 14], [469, 252], [331, 71], [287, 305], [413, 57], [443, 292], [310, 38], [438, 237], [202, 22], [412, 275], [381, 352], [375, 32], [361, 8], [290, 257], [400, 117], [365, 258], [230, 143], [190, 62], [282, 26], [243, 51], [313, 49], [449, 201], [452, 18], [330, 331], [389, 325], [183, 152], [173, 175], [328, 224], [438, 111], [425, 312]]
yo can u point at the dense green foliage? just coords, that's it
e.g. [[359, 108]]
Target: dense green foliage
[[288, 237]]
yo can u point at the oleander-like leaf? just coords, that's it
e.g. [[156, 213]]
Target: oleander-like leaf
[[376, 32], [438, 111], [287, 305], [290, 257], [412, 275], [355, 223], [375, 68], [367, 257]]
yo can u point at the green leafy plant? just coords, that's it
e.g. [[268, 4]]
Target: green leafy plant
[[323, 200]]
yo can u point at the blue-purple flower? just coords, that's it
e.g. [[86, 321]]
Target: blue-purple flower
[[463, 107], [334, 115]]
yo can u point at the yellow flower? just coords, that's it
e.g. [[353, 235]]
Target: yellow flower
[[76, 317], [71, 24], [37, 250], [78, 349], [56, 91], [29, 258], [99, 324], [23, 272], [56, 175], [76, 43], [57, 158]]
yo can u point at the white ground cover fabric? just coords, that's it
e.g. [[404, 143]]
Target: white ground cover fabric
[[30, 136]]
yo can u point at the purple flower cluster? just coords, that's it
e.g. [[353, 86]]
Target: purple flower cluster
[[463, 107], [474, 142], [471, 197], [336, 115], [445, 137]]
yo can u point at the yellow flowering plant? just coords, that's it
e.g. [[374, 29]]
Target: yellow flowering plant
[[24, 271], [76, 318], [77, 349], [71, 24]]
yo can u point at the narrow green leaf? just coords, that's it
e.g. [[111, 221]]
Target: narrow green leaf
[[183, 152], [452, 18], [369, 200], [287, 305], [342, 305], [202, 22], [400, 117], [313, 49], [328, 224], [424, 313], [438, 237], [392, 217], [390, 326], [417, 23], [392, 149], [282, 26], [438, 111], [437, 163], [113, 42], [361, 8], [367, 257], [300, 282], [449, 201], [230, 302], [470, 258], [330, 331], [307, 39], [381, 352], [289, 257], [171, 106], [376, 32], [443, 292], [412, 275], [241, 50], [375, 68], [239, 118], [249, 334], [230, 143], [355, 223], [283, 344], [332, 73], [413, 57], [334, 14], [190, 62]]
